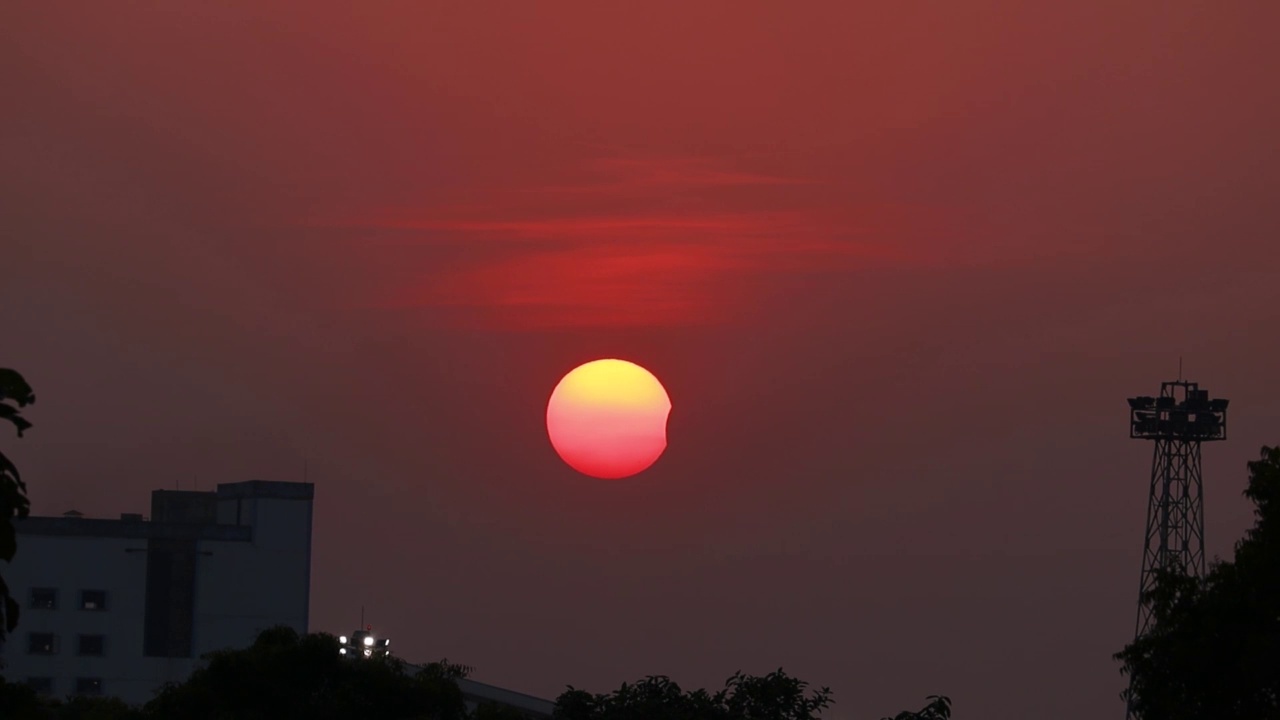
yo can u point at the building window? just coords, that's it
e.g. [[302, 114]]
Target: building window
[[92, 645], [42, 644], [93, 599], [44, 599], [42, 685], [88, 686]]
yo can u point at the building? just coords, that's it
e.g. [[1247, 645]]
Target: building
[[477, 693], [119, 607]]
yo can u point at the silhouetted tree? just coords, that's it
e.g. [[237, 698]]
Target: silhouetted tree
[[283, 676], [939, 708], [1213, 649], [15, 394], [776, 696], [21, 702], [494, 711]]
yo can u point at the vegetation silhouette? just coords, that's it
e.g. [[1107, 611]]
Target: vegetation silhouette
[[494, 711], [20, 702], [285, 677], [776, 696], [1213, 649], [15, 394], [939, 708]]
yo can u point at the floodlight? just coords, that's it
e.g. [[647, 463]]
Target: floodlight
[[342, 651], [368, 641], [342, 639]]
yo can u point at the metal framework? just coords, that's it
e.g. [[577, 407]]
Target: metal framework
[[1178, 421]]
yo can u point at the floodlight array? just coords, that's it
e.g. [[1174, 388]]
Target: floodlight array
[[1194, 416]]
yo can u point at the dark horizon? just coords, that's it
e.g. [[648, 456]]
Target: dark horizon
[[898, 269]]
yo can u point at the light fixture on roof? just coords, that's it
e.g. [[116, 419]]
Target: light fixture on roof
[[363, 643], [1182, 412]]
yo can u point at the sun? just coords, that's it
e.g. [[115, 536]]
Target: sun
[[608, 419]]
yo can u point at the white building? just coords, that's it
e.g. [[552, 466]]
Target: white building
[[119, 607]]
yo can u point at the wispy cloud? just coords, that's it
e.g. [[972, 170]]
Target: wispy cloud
[[555, 265]]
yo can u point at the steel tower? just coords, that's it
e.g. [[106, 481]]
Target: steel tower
[[1179, 420]]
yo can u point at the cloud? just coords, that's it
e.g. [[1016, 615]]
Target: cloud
[[630, 259]]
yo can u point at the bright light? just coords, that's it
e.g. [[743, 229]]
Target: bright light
[[342, 639], [367, 653], [342, 651], [368, 640]]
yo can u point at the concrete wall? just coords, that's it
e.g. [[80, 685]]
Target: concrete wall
[[244, 588], [70, 564], [247, 578]]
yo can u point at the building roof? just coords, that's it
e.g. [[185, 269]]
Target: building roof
[[267, 489], [130, 529], [482, 692], [177, 514], [478, 692]]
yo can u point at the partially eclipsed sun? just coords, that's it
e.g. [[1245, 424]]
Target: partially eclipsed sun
[[608, 419]]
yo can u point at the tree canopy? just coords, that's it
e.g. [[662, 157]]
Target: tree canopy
[[776, 696], [1213, 649], [283, 676], [15, 394]]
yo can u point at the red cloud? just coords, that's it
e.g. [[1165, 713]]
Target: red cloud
[[527, 268]]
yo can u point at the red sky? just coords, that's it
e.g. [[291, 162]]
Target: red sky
[[898, 265]]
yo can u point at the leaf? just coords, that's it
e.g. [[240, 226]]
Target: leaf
[[13, 415], [13, 498], [14, 387], [8, 468]]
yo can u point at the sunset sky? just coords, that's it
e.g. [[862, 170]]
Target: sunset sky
[[897, 264]]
